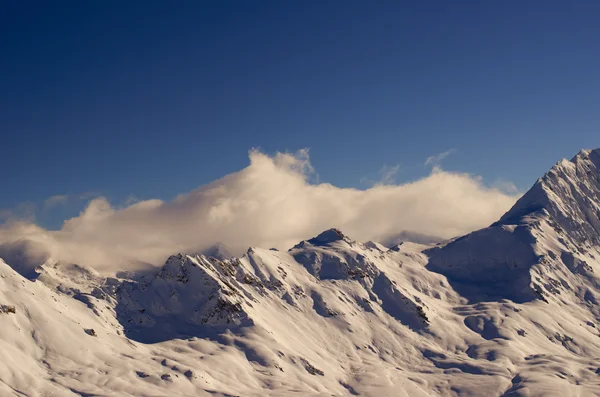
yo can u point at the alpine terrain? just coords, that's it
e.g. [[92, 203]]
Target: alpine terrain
[[509, 310]]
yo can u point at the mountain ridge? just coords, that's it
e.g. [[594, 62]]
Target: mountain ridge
[[508, 310]]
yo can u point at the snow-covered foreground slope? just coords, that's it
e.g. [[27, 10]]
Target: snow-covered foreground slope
[[510, 310]]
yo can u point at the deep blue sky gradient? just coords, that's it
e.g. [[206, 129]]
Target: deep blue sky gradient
[[154, 98]]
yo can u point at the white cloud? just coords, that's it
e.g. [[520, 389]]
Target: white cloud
[[270, 203], [53, 201], [388, 175], [23, 212], [505, 186], [436, 160]]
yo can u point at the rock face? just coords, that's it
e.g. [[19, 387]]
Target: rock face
[[512, 309]]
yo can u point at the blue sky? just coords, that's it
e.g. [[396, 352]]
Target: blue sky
[[153, 98]]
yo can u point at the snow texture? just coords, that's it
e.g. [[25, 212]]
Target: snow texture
[[509, 310]]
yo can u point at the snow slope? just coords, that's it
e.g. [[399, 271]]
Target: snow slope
[[510, 310]]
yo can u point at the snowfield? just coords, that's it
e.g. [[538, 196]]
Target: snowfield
[[509, 310]]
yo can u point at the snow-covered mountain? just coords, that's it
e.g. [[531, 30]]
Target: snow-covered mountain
[[544, 247], [509, 310]]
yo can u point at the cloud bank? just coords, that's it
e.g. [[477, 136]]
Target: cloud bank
[[270, 203]]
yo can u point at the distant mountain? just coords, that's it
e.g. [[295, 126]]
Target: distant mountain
[[218, 251], [411, 237], [509, 310]]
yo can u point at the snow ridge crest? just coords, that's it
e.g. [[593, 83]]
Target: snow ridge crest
[[568, 196]]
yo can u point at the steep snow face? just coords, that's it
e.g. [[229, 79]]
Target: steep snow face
[[547, 243], [490, 264]]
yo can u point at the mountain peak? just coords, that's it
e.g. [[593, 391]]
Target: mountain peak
[[587, 154], [569, 194], [325, 238], [329, 236], [558, 217]]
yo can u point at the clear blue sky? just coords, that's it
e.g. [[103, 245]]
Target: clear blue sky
[[154, 98]]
